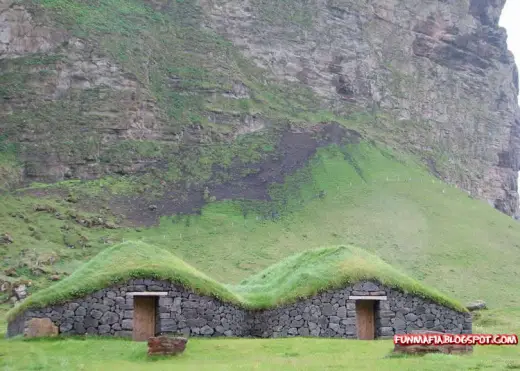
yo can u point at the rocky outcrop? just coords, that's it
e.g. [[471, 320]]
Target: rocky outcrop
[[440, 72], [328, 314], [434, 77], [476, 305]]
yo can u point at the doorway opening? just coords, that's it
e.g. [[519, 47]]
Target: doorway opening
[[366, 319], [145, 314]]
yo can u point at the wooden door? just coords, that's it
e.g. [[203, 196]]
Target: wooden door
[[366, 328], [144, 318]]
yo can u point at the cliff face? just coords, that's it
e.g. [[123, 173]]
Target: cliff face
[[79, 97], [439, 70]]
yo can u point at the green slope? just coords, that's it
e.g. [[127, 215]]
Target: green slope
[[295, 277], [432, 231], [385, 205]]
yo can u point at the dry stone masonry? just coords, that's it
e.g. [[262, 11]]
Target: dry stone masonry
[[329, 314]]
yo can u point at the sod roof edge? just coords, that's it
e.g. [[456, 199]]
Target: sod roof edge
[[137, 260]]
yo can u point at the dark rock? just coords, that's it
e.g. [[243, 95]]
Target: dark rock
[[109, 318], [476, 305], [127, 324]]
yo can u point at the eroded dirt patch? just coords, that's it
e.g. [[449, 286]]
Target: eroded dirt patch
[[294, 149]]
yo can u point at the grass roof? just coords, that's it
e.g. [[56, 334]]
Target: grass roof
[[294, 278]]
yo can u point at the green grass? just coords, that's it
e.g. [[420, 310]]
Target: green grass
[[296, 277], [257, 354], [94, 353], [426, 229], [312, 271]]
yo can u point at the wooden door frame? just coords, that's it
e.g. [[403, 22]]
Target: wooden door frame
[[370, 306], [151, 313]]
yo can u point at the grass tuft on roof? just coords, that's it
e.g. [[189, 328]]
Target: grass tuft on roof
[[297, 277], [120, 263], [305, 274]]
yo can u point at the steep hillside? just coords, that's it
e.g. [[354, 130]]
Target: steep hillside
[[355, 194], [440, 71], [243, 132], [124, 87]]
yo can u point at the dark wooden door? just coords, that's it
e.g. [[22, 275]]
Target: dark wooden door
[[144, 317], [366, 328]]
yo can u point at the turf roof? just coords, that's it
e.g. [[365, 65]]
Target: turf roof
[[294, 278]]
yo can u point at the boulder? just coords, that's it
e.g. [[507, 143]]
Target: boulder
[[476, 305], [20, 292], [40, 327], [6, 238], [11, 272], [166, 345]]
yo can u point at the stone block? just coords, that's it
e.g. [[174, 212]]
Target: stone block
[[109, 318], [386, 331], [40, 327], [104, 329], [127, 324]]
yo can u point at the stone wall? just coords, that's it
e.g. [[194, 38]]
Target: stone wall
[[110, 312], [332, 314], [403, 313], [328, 314]]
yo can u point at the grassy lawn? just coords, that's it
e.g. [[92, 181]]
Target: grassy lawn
[[259, 354], [243, 354], [247, 354]]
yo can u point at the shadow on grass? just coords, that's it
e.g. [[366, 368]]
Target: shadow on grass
[[67, 337]]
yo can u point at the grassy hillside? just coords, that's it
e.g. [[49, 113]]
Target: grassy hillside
[[358, 195]]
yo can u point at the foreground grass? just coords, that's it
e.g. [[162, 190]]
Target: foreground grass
[[242, 354], [259, 354]]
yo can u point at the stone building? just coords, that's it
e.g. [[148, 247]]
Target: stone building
[[144, 307]]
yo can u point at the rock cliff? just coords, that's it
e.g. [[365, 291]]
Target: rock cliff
[[88, 90], [439, 69]]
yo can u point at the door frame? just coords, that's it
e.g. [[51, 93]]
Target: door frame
[[362, 301], [148, 316]]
